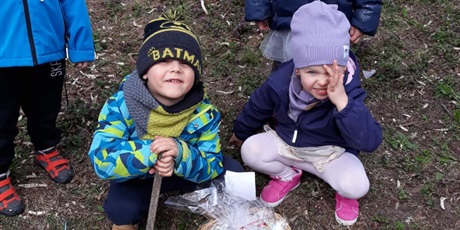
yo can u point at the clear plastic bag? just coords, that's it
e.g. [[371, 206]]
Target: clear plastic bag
[[227, 210], [276, 46]]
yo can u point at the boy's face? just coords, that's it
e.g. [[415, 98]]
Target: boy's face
[[315, 80], [169, 81]]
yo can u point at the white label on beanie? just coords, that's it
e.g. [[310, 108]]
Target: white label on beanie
[[346, 51]]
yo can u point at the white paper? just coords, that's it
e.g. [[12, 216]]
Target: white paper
[[243, 184], [368, 73]]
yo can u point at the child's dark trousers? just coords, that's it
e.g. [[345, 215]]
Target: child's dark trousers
[[37, 90], [128, 202]]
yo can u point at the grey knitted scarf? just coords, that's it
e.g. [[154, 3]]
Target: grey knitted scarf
[[141, 103]]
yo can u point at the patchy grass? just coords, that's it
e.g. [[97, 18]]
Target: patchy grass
[[414, 94]]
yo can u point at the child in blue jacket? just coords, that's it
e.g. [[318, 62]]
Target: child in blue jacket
[[276, 15], [323, 123], [34, 39], [161, 108]]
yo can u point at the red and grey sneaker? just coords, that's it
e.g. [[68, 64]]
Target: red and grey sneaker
[[10, 203], [58, 168]]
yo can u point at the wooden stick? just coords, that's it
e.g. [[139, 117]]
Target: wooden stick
[[154, 201]]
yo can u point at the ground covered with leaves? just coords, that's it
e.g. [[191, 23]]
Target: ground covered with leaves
[[414, 94]]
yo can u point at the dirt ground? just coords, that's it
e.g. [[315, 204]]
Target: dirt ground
[[414, 94]]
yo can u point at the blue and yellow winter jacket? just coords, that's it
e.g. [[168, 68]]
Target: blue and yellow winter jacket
[[33, 32], [353, 128], [118, 153], [362, 14]]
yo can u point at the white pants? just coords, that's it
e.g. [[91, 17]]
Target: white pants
[[344, 174]]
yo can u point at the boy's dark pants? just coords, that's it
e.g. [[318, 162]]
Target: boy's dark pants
[[37, 90], [128, 202]]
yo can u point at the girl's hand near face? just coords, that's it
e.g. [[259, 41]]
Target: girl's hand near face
[[336, 90], [166, 149]]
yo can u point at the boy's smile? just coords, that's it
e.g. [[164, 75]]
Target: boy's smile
[[174, 81], [169, 81]]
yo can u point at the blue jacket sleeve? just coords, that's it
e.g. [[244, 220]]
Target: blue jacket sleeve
[[358, 127], [366, 16], [200, 157], [79, 34], [115, 153], [257, 10]]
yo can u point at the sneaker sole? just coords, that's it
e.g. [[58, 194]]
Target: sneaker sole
[[11, 212], [274, 204], [345, 222]]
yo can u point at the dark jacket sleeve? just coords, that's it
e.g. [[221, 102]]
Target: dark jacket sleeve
[[355, 122], [255, 112], [366, 16], [263, 102], [257, 10]]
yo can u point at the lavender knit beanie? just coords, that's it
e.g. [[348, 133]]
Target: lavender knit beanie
[[319, 35]]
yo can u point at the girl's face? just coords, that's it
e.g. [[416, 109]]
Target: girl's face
[[169, 81], [315, 79]]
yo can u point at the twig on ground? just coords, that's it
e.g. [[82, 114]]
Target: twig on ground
[[446, 110], [409, 123], [38, 213], [224, 92], [33, 185], [130, 55], [203, 7]]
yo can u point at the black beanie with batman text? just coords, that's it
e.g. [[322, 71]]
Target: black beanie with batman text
[[167, 37]]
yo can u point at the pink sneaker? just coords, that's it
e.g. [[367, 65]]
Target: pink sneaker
[[346, 210], [275, 191]]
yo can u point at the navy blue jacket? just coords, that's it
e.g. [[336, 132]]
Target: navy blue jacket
[[362, 14], [353, 128]]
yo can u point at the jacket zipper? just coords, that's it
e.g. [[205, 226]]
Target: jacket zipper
[[29, 32], [65, 25], [296, 131], [297, 125], [294, 137]]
